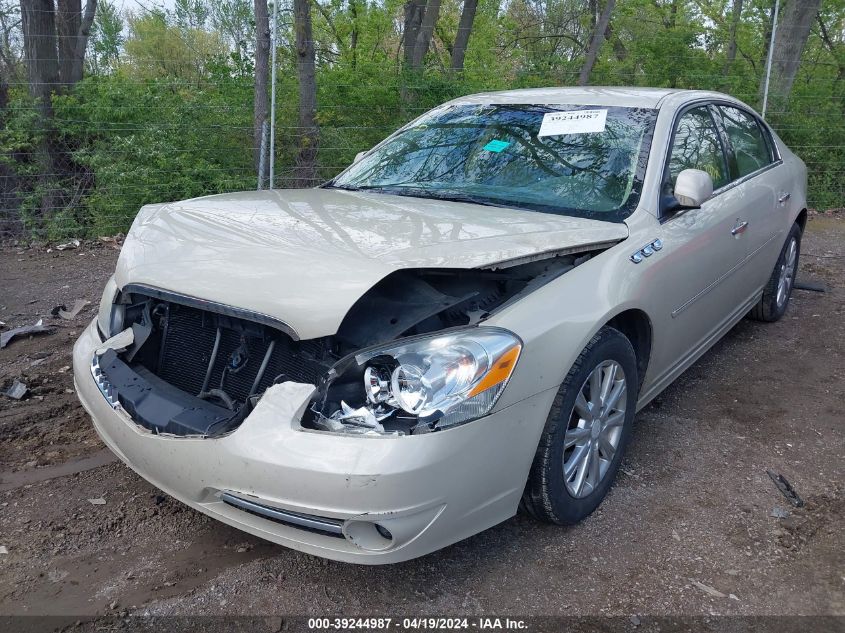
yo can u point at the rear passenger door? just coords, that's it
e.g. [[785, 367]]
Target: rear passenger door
[[756, 182]]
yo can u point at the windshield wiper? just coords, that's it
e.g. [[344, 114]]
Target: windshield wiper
[[436, 194], [331, 185], [447, 195]]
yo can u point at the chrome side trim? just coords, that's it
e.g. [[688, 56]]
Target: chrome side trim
[[746, 178], [211, 306], [722, 277], [333, 527]]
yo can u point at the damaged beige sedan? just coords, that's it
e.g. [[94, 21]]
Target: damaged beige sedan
[[462, 323]]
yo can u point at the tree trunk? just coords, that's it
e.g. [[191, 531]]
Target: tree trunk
[[261, 98], [73, 28], [464, 31], [425, 32], [353, 37], [305, 174], [54, 60], [736, 14], [68, 14], [38, 21], [791, 37], [767, 40], [840, 65], [42, 61], [595, 43], [414, 10], [82, 40]]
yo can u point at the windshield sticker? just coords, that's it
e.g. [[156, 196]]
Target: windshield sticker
[[573, 122], [496, 146]]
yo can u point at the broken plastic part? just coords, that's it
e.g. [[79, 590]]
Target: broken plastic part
[[24, 330], [69, 315], [118, 342], [16, 391]]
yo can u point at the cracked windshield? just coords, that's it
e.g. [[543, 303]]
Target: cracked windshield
[[585, 161]]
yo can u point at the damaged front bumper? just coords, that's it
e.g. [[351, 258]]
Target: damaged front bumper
[[360, 499]]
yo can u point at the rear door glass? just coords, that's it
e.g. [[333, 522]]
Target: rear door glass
[[750, 149]]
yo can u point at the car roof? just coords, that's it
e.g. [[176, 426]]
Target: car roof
[[606, 96]]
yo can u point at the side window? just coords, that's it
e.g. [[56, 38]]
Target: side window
[[696, 145], [750, 149]]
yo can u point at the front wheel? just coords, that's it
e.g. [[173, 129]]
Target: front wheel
[[776, 294], [586, 432]]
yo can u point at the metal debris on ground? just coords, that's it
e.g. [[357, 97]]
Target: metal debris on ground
[[786, 488], [97, 502], [809, 285], [779, 513], [38, 328], [114, 240], [68, 315], [16, 391], [711, 591], [3, 549], [68, 245]]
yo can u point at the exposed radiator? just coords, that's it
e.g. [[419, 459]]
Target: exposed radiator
[[187, 346]]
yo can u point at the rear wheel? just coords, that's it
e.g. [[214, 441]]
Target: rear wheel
[[778, 290], [586, 432]]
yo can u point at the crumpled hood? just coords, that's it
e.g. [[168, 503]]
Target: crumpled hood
[[305, 256]]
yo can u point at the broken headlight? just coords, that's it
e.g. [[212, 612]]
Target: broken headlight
[[110, 315], [419, 385]]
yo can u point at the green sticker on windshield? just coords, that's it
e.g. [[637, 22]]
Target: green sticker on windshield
[[496, 146]]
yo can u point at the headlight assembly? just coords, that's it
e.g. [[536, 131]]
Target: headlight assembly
[[419, 385], [110, 315]]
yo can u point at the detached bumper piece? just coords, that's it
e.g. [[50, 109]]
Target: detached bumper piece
[[156, 405]]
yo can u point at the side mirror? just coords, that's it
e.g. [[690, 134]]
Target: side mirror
[[359, 156], [693, 187]]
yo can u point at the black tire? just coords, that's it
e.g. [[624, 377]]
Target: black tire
[[546, 495], [768, 309]]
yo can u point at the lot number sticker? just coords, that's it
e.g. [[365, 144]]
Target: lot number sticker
[[574, 122]]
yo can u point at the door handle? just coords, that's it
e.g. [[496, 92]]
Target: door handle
[[739, 228], [784, 197]]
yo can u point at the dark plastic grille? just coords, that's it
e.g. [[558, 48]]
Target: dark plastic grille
[[189, 341]]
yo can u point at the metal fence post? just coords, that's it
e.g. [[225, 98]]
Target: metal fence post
[[274, 44], [262, 160], [769, 59]]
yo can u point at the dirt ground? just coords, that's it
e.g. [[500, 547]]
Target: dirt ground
[[687, 530]]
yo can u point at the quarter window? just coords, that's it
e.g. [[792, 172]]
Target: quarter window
[[696, 145], [750, 150]]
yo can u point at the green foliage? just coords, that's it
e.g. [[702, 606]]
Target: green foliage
[[152, 140], [165, 111], [106, 39]]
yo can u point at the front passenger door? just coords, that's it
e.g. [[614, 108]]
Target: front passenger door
[[701, 249]]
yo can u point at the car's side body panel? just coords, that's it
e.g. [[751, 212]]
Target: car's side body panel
[[702, 282]]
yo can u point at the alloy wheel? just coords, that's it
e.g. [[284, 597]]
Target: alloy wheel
[[787, 272], [595, 428]]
